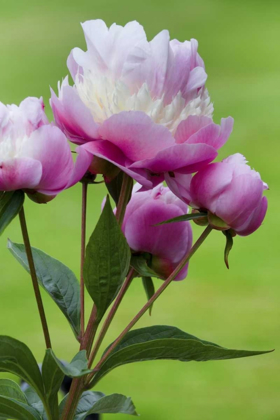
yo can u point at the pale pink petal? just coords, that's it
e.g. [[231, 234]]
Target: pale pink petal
[[72, 116], [82, 164], [196, 80], [49, 146], [187, 128], [19, 173]]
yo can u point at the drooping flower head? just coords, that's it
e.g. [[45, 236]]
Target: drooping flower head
[[35, 155], [167, 244], [230, 191], [142, 106]]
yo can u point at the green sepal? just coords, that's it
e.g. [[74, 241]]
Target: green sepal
[[149, 289]]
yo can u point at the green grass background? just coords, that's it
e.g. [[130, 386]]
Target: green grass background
[[239, 308]]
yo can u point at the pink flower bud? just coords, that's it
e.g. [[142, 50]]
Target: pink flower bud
[[35, 155], [167, 243], [232, 193]]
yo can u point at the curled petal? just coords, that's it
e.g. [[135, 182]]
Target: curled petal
[[255, 221]]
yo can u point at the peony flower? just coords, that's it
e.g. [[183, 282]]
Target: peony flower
[[35, 155], [231, 192], [167, 244], [140, 106]]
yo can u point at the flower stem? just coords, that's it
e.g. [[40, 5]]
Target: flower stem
[[124, 198], [90, 332], [34, 278], [166, 283], [83, 246], [111, 315]]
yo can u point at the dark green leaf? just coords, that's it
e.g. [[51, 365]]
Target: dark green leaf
[[149, 289], [52, 378], [114, 403], [114, 187], [11, 389], [107, 260], [14, 409], [35, 402], [164, 342], [10, 205], [140, 265], [183, 218], [57, 279], [229, 245], [86, 402], [15, 357], [77, 368]]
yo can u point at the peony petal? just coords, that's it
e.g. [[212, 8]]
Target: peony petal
[[192, 125], [82, 164], [49, 146], [19, 173], [72, 116], [196, 80], [255, 221], [136, 135], [108, 151], [179, 184], [185, 158]]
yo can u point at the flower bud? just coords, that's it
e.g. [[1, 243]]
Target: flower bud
[[167, 244], [232, 193]]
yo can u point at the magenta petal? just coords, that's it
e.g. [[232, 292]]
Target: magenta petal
[[108, 151], [135, 134], [239, 198], [191, 126], [19, 173], [255, 221], [179, 184], [184, 158], [82, 164], [226, 129], [72, 116]]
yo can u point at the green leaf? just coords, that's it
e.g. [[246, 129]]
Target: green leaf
[[114, 187], [77, 368], [229, 245], [164, 342], [140, 265], [10, 204], [14, 409], [52, 378], [183, 218], [57, 279], [15, 357], [98, 403], [34, 401], [11, 389], [107, 261], [114, 403], [149, 289], [88, 398]]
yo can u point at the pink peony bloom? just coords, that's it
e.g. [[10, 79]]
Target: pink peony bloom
[[35, 155], [167, 244], [230, 190], [142, 106]]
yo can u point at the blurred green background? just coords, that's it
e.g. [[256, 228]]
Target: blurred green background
[[239, 308]]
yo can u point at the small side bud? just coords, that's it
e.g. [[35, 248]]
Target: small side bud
[[103, 167], [200, 221]]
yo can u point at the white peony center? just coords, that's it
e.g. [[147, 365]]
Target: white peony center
[[105, 97]]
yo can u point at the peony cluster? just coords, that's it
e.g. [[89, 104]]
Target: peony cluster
[[140, 107]]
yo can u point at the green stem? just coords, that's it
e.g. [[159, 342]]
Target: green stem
[[90, 332], [166, 283], [111, 315], [34, 278], [83, 246], [124, 198]]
